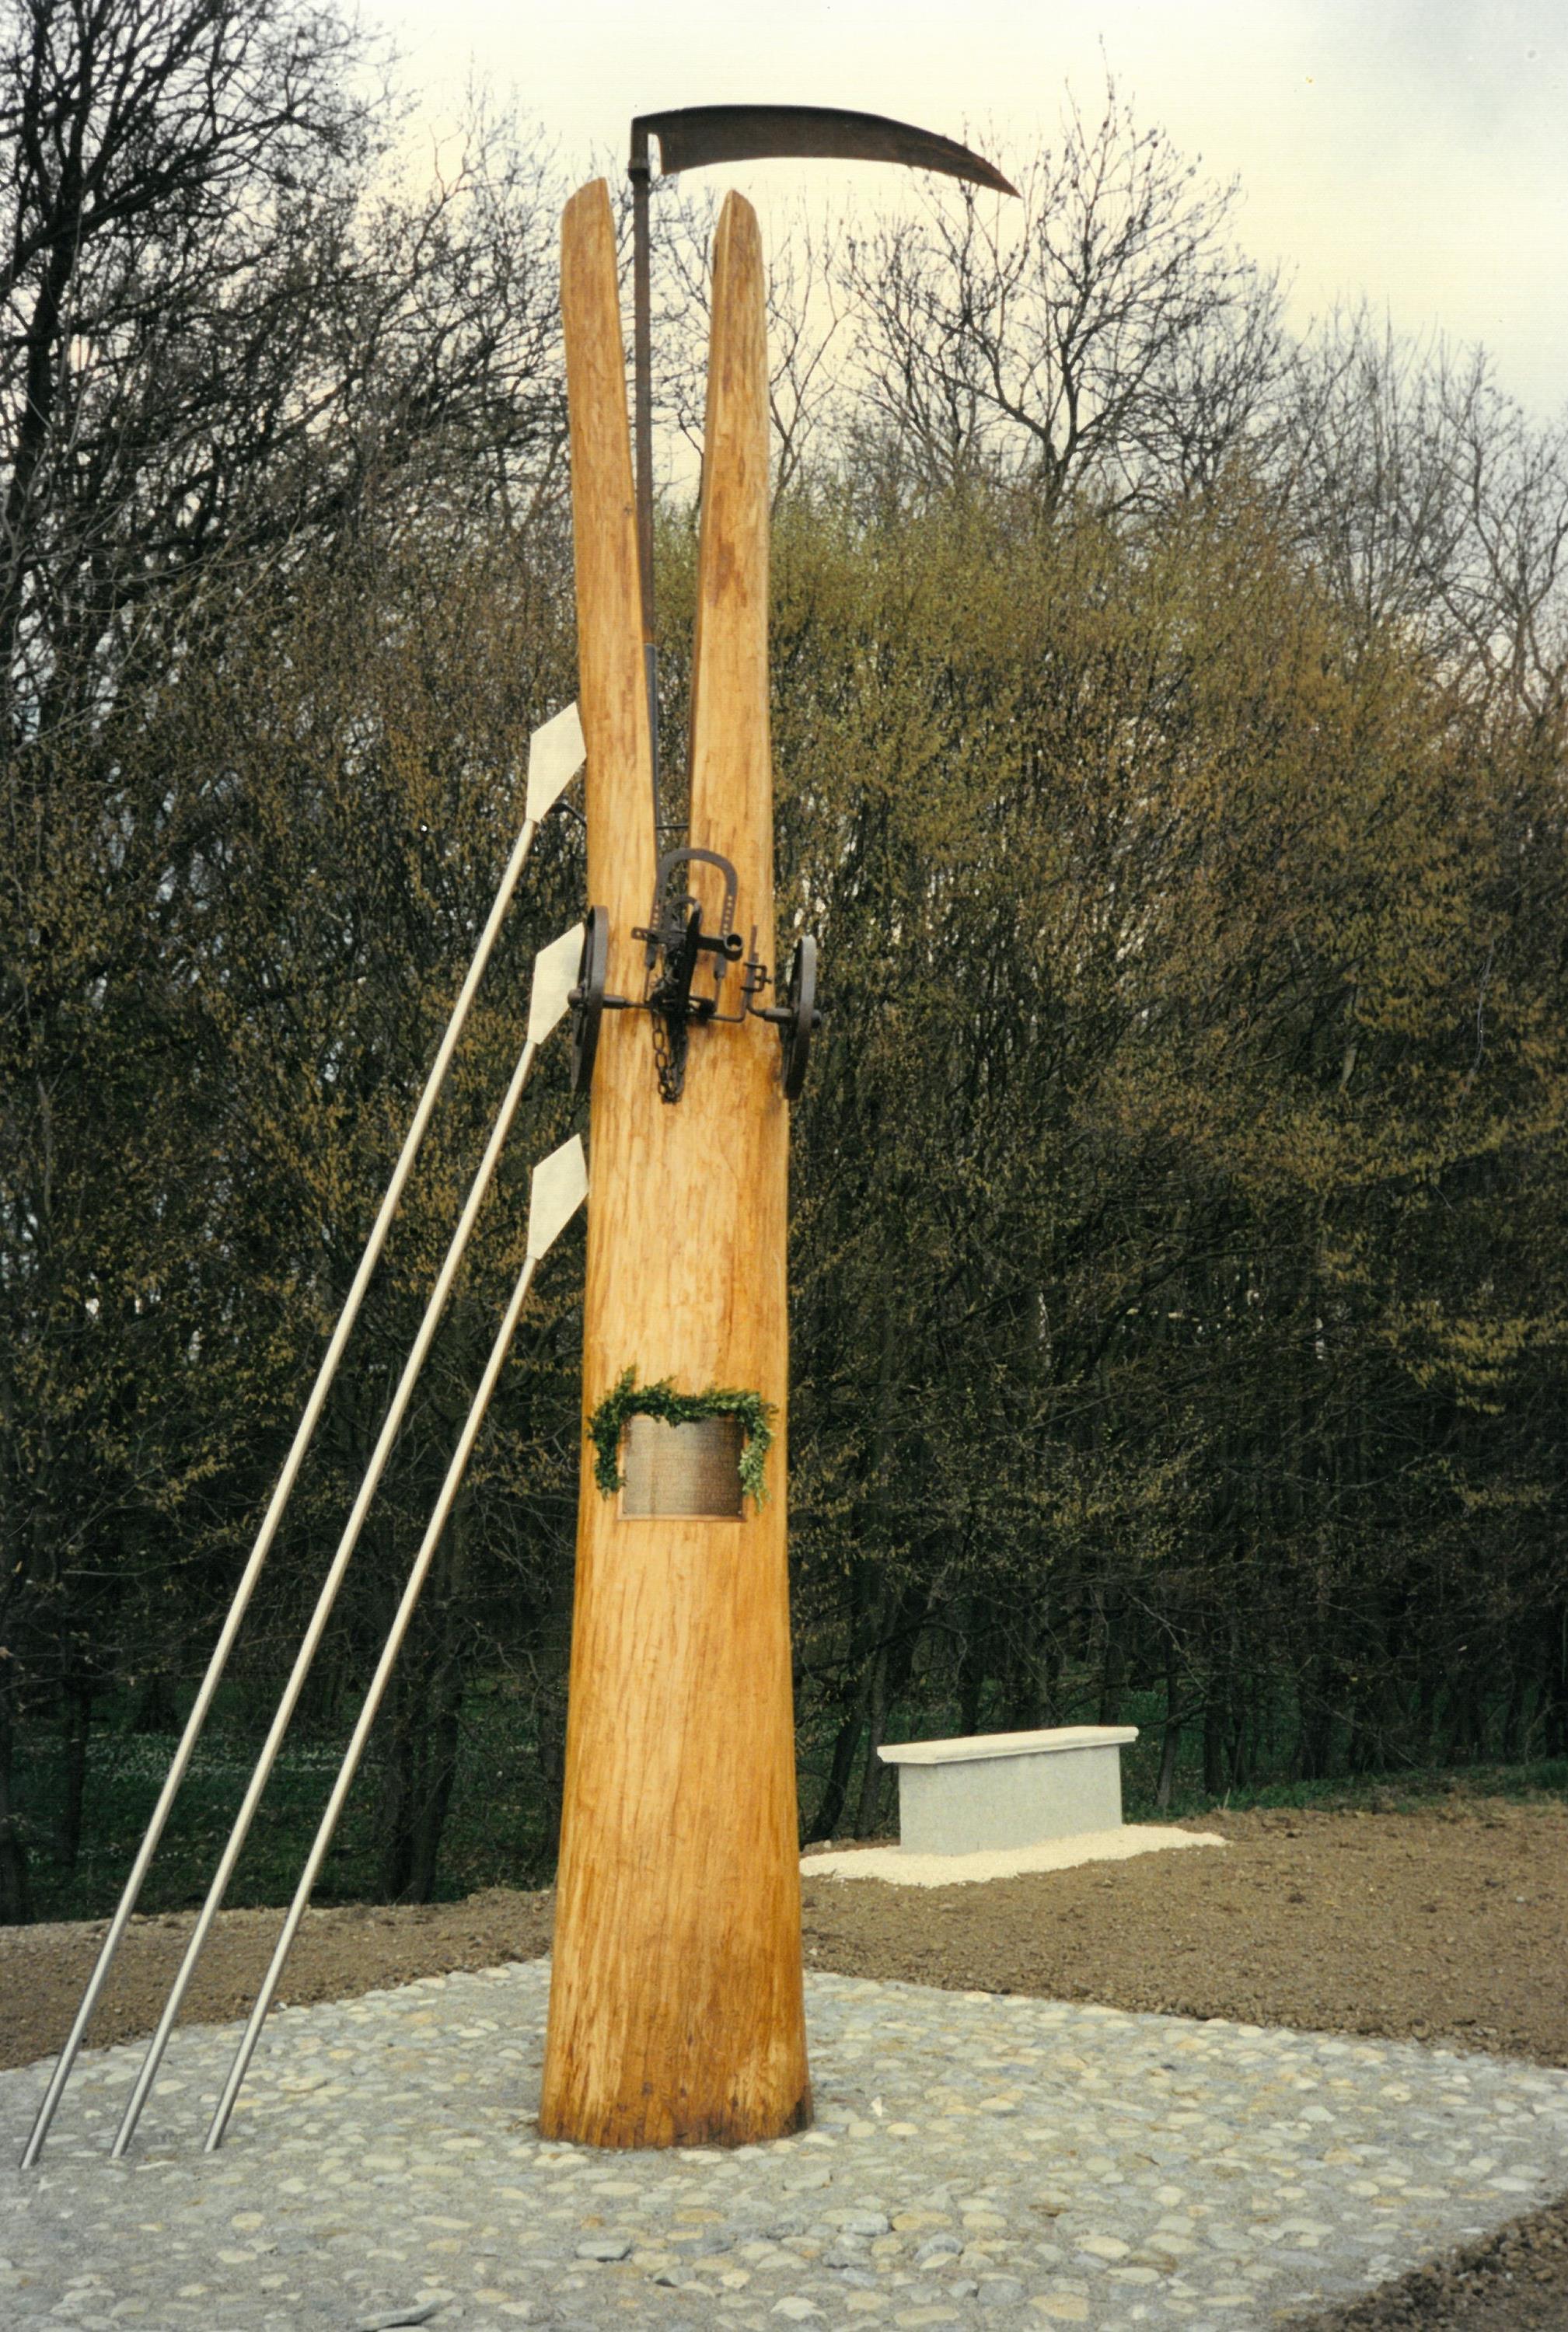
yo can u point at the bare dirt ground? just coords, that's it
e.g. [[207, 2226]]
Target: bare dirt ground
[[1449, 1925]]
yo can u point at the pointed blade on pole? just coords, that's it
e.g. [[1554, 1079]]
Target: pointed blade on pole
[[555, 754], [695, 135], [555, 970], [558, 1190]]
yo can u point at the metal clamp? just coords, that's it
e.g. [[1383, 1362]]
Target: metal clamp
[[675, 951]]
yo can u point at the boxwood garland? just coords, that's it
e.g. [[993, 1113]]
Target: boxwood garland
[[629, 1399]]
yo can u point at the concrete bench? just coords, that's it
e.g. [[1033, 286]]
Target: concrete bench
[[997, 1790]]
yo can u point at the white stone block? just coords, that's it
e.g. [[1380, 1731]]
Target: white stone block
[[992, 1792]]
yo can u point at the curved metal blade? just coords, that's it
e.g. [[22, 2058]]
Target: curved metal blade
[[558, 1190], [695, 135]]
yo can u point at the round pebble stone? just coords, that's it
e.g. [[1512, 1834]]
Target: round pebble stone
[[977, 2160]]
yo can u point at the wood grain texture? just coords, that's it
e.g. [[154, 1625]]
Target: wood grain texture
[[675, 2013]]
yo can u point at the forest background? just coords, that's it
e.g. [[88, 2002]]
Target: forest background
[[1169, 715]]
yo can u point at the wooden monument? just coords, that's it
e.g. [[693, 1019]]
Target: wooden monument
[[675, 2010]]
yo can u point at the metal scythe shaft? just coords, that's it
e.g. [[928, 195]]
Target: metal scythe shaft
[[555, 757], [639, 170], [324, 1602], [566, 1166], [689, 137]]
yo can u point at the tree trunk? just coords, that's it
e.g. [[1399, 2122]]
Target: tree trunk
[[830, 1809], [549, 1756], [1214, 1738], [1113, 1664], [443, 1738], [876, 1732], [1241, 1758], [399, 1789], [1170, 1745], [15, 1894], [1314, 1739], [971, 1670], [77, 1720], [156, 1710], [1556, 1690], [419, 1771]]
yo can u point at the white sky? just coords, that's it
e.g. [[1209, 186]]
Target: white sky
[[1412, 151]]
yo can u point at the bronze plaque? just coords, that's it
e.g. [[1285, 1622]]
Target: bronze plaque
[[681, 1469]]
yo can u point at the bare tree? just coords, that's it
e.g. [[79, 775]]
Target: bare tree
[[806, 330], [217, 335], [1508, 596], [140, 143], [1428, 498], [1367, 468], [234, 342], [1104, 331]]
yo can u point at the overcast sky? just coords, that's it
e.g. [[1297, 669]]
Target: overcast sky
[[1412, 151]]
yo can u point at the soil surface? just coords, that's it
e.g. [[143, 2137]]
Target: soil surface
[[1448, 1925], [337, 1954]]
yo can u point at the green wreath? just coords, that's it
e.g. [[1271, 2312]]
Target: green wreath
[[629, 1399]]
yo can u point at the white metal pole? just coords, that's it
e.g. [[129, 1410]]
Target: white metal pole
[[269, 1530], [555, 754], [324, 1602], [553, 968], [568, 1165]]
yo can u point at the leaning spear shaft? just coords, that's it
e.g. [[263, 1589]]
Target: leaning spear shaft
[[555, 756], [556, 963], [560, 1186]]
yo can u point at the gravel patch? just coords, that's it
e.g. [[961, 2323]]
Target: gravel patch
[[903, 1867], [977, 2160]]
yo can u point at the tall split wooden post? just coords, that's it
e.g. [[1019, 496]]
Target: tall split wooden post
[[675, 2010]]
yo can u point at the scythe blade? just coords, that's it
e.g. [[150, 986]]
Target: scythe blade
[[695, 135]]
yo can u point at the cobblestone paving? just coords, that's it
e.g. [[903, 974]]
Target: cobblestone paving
[[987, 2162]]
